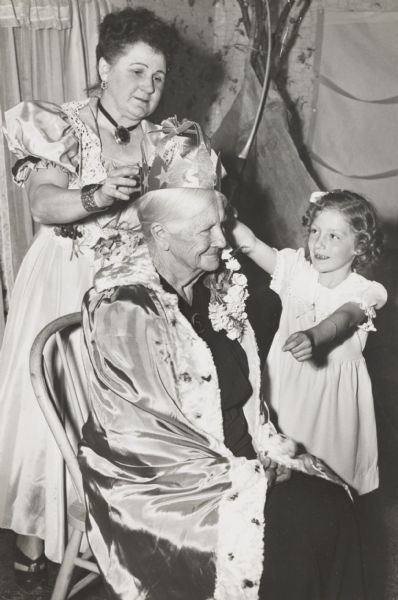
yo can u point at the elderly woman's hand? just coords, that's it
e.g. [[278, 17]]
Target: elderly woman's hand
[[275, 473], [119, 185]]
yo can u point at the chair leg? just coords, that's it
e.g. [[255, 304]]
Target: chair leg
[[68, 564]]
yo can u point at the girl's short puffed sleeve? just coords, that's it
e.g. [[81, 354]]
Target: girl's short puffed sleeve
[[287, 263], [370, 296], [39, 134]]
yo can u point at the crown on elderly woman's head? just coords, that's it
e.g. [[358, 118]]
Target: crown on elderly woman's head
[[183, 159]]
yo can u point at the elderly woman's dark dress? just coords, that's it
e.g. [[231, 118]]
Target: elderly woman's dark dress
[[177, 498]]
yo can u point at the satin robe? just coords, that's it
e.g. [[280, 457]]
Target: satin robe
[[172, 514]]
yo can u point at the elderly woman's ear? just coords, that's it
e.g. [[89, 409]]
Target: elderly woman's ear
[[160, 235]]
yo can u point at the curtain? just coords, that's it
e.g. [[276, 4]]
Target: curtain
[[37, 14], [274, 185], [47, 48], [353, 138]]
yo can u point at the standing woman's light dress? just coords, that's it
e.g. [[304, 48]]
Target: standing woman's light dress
[[51, 282], [327, 405]]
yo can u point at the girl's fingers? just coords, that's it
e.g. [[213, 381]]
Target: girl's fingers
[[304, 354], [292, 342], [289, 345]]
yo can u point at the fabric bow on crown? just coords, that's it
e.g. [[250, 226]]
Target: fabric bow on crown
[[183, 159]]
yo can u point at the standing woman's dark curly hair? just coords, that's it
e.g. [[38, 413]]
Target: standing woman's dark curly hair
[[126, 27], [362, 218]]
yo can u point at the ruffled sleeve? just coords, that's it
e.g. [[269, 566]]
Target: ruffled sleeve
[[39, 134], [370, 295], [287, 262]]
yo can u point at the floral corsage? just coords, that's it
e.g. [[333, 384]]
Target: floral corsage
[[228, 293]]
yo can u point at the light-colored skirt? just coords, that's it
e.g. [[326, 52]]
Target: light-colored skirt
[[49, 284]]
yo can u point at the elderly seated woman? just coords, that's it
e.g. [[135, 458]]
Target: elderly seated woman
[[186, 481]]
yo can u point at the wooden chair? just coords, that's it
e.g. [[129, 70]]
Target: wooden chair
[[49, 404]]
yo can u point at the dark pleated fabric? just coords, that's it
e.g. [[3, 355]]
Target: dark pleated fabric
[[312, 548]]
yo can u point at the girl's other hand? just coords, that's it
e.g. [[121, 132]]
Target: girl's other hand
[[300, 345]]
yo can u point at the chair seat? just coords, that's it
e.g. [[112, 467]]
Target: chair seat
[[77, 516]]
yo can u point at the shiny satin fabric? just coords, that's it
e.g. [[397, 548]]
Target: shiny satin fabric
[[158, 486], [52, 280], [41, 130]]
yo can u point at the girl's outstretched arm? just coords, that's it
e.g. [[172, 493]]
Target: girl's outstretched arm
[[245, 240], [303, 343]]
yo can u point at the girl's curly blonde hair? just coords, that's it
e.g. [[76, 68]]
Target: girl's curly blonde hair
[[362, 218]]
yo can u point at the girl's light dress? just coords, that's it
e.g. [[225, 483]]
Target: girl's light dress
[[51, 282], [327, 406]]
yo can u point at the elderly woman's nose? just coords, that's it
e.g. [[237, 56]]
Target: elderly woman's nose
[[219, 238]]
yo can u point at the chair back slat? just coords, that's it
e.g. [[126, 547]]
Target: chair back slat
[[43, 394], [73, 399]]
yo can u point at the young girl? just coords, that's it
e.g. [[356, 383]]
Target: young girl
[[320, 388]]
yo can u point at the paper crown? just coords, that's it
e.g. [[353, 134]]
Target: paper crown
[[182, 159]]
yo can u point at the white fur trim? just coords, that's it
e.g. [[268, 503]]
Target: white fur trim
[[240, 547], [197, 383]]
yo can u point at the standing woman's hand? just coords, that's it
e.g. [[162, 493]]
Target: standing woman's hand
[[119, 185]]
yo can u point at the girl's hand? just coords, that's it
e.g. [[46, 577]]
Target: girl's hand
[[119, 185], [300, 345], [242, 237]]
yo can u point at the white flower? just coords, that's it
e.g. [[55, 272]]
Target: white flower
[[239, 279], [227, 300]]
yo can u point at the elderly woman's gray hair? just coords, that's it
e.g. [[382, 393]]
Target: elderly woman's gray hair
[[170, 204]]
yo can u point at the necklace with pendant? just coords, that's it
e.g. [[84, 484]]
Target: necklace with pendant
[[121, 134]]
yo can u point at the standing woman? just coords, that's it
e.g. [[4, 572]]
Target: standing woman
[[79, 164]]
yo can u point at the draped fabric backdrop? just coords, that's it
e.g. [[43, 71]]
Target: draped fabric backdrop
[[47, 51], [44, 54], [353, 138]]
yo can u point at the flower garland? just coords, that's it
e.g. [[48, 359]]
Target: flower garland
[[228, 293], [117, 244]]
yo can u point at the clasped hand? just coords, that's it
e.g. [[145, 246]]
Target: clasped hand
[[300, 345], [275, 473], [119, 185]]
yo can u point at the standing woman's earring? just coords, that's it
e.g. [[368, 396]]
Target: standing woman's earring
[[104, 84]]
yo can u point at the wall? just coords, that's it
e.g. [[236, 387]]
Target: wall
[[208, 70]]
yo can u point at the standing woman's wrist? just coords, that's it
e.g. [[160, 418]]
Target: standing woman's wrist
[[89, 198]]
